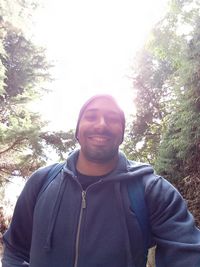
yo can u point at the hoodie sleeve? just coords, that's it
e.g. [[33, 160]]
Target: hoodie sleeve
[[173, 227], [11, 260], [17, 239]]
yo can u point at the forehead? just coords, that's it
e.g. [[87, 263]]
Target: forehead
[[103, 104]]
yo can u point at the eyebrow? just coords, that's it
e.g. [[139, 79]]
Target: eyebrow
[[97, 109]]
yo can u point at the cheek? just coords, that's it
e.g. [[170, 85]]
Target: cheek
[[120, 135], [118, 130], [81, 132], [79, 136]]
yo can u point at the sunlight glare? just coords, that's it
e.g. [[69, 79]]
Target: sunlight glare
[[92, 44]]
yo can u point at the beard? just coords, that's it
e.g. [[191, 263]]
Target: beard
[[100, 146], [100, 154]]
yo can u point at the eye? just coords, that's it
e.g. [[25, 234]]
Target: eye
[[90, 117], [113, 119]]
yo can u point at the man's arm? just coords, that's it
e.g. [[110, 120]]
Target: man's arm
[[173, 227], [17, 239], [11, 260]]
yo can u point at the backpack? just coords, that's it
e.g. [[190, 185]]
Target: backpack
[[136, 196], [138, 205]]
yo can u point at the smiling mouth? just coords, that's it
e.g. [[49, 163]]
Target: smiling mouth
[[99, 139]]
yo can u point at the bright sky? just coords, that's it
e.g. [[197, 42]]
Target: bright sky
[[92, 44]]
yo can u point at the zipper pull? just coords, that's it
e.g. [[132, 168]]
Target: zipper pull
[[83, 199]]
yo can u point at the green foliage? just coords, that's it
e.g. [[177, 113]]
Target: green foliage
[[24, 145], [165, 130], [25, 66], [3, 54], [24, 70], [61, 142], [3, 225], [179, 150], [151, 98]]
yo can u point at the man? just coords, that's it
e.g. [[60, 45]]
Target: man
[[83, 218]]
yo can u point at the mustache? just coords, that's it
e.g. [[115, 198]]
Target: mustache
[[106, 133]]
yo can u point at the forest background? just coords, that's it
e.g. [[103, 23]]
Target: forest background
[[164, 130]]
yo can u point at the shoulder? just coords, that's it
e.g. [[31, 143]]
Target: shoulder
[[162, 197], [37, 179], [157, 184], [40, 173]]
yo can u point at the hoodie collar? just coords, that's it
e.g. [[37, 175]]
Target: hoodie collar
[[125, 169]]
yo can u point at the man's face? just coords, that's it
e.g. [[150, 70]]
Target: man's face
[[100, 130]]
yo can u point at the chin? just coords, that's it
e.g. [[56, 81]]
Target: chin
[[101, 155]]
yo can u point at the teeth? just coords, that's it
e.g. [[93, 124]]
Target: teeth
[[100, 139]]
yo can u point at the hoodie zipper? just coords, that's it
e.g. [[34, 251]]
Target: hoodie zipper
[[83, 206]]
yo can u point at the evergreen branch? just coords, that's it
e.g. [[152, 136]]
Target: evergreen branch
[[17, 142]]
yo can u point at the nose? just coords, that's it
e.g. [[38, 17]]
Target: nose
[[101, 123]]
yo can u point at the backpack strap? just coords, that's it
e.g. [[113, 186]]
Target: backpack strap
[[137, 200], [56, 168]]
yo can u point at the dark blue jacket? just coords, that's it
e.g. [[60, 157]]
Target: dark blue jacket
[[67, 227]]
